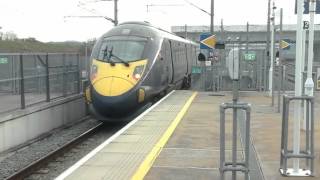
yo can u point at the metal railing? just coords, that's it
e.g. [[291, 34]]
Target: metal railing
[[30, 78], [308, 152], [235, 165]]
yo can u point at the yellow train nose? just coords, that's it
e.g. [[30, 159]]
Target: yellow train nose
[[112, 86]]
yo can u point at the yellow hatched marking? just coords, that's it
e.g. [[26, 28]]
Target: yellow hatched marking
[[156, 150]]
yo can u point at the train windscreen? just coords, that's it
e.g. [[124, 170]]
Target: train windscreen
[[122, 49]]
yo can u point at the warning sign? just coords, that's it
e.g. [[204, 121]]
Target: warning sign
[[284, 44], [207, 41]]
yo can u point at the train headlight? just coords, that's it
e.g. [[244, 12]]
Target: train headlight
[[94, 71], [141, 95], [137, 73]]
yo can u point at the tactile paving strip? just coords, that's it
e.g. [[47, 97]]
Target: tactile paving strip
[[121, 158]]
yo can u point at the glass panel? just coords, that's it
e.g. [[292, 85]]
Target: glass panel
[[34, 73], [9, 83], [56, 75], [121, 49]]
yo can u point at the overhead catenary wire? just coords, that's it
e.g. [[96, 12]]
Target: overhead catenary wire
[[197, 7]]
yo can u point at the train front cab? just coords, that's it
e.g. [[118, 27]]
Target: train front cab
[[115, 77]]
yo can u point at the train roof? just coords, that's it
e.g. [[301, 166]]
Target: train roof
[[158, 31]]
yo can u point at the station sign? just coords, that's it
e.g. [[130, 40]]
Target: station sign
[[196, 70], [249, 56], [305, 25], [207, 41], [3, 60], [208, 63]]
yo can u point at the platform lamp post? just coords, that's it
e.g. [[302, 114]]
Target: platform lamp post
[[265, 83], [212, 17], [309, 84], [272, 54], [298, 88]]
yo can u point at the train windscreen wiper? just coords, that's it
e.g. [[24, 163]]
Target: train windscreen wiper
[[107, 56], [121, 60]]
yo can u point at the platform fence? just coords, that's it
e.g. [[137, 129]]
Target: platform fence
[[30, 78], [213, 74]]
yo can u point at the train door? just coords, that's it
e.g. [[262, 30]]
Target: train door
[[169, 62]]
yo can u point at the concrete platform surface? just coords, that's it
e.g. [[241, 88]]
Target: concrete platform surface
[[120, 156], [193, 150]]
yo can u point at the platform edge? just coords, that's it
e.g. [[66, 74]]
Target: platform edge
[[156, 150]]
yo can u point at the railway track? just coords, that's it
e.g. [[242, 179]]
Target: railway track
[[35, 166]]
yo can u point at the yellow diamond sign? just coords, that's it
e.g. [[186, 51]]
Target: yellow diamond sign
[[210, 41]]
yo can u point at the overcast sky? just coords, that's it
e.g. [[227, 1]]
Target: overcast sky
[[45, 19]]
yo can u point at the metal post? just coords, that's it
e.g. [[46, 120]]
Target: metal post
[[312, 135], [222, 58], [234, 165], [47, 79], [212, 83], [268, 47], [235, 125], [64, 79], [22, 97], [247, 144], [303, 57], [222, 141], [185, 31], [78, 75], [298, 87], [13, 77], [247, 48], [247, 40], [234, 130], [308, 153], [283, 77], [280, 70], [280, 36], [309, 84], [272, 55], [222, 30], [212, 17], [115, 12]]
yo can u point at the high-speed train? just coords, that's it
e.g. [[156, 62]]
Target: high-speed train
[[133, 64]]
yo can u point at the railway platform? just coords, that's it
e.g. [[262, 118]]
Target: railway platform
[[178, 138]]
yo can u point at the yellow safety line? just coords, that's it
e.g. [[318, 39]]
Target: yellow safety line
[[154, 153]]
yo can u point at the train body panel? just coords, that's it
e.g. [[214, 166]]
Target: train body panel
[[131, 65]]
